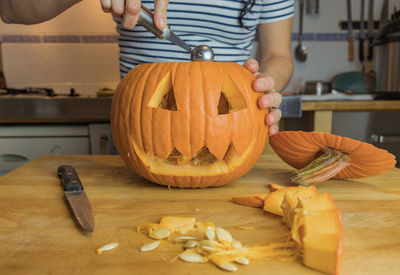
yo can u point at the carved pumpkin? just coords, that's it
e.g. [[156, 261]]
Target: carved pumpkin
[[191, 124]]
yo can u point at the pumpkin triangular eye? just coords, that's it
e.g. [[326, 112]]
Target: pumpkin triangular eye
[[223, 105], [164, 97], [168, 101], [231, 99]]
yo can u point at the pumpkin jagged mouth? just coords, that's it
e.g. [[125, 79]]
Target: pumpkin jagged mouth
[[203, 157], [204, 163]]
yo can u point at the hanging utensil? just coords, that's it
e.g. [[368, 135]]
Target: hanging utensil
[[300, 51], [361, 35], [384, 13], [370, 32], [350, 37]]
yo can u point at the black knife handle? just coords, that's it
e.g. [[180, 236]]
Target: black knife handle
[[69, 178], [361, 49], [370, 48]]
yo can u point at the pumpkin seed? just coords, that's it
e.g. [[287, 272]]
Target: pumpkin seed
[[159, 233], [237, 244], [106, 247], [182, 239], [227, 266], [149, 246], [190, 244], [242, 260], [210, 233], [223, 235], [191, 257], [244, 227], [211, 243]]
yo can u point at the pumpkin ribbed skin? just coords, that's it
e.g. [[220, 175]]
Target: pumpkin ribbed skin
[[145, 135], [298, 148]]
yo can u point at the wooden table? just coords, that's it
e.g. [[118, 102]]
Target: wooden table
[[38, 235]]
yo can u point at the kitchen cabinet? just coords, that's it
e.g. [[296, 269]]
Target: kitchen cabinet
[[24, 142]]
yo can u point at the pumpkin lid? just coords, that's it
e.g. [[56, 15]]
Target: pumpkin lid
[[299, 148]]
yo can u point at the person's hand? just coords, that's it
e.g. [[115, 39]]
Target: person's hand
[[270, 99], [129, 11]]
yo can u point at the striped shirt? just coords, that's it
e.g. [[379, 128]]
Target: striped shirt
[[210, 22]]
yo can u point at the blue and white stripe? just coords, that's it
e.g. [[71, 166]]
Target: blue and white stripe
[[211, 22]]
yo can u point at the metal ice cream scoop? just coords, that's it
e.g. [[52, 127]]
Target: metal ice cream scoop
[[199, 53]]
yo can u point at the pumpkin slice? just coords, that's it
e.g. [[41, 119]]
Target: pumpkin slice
[[273, 201], [179, 225], [320, 238], [320, 156], [256, 200], [291, 205], [323, 252], [273, 187]]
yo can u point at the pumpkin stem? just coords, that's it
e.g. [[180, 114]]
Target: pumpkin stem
[[326, 166]]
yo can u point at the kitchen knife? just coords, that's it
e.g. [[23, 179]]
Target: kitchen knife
[[370, 31], [76, 197], [146, 20], [350, 37], [361, 35]]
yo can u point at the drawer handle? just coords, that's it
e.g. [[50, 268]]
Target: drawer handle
[[12, 158], [385, 139]]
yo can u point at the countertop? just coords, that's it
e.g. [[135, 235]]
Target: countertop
[[38, 235]]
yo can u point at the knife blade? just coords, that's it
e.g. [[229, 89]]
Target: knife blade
[[76, 197], [370, 31], [350, 37], [146, 20]]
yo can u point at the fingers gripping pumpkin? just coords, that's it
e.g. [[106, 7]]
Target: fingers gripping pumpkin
[[192, 124]]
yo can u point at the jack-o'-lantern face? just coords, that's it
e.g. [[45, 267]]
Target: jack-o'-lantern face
[[188, 124]]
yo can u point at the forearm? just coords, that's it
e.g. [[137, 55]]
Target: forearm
[[32, 11], [280, 68]]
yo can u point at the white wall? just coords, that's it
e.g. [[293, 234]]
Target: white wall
[[84, 66]]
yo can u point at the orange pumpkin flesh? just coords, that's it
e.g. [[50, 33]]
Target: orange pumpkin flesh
[[345, 158], [315, 224], [256, 200], [273, 187], [274, 201], [191, 124]]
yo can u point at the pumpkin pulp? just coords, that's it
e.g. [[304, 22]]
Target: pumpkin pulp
[[327, 165]]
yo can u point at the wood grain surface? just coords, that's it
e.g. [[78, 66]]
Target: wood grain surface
[[350, 105], [38, 235]]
